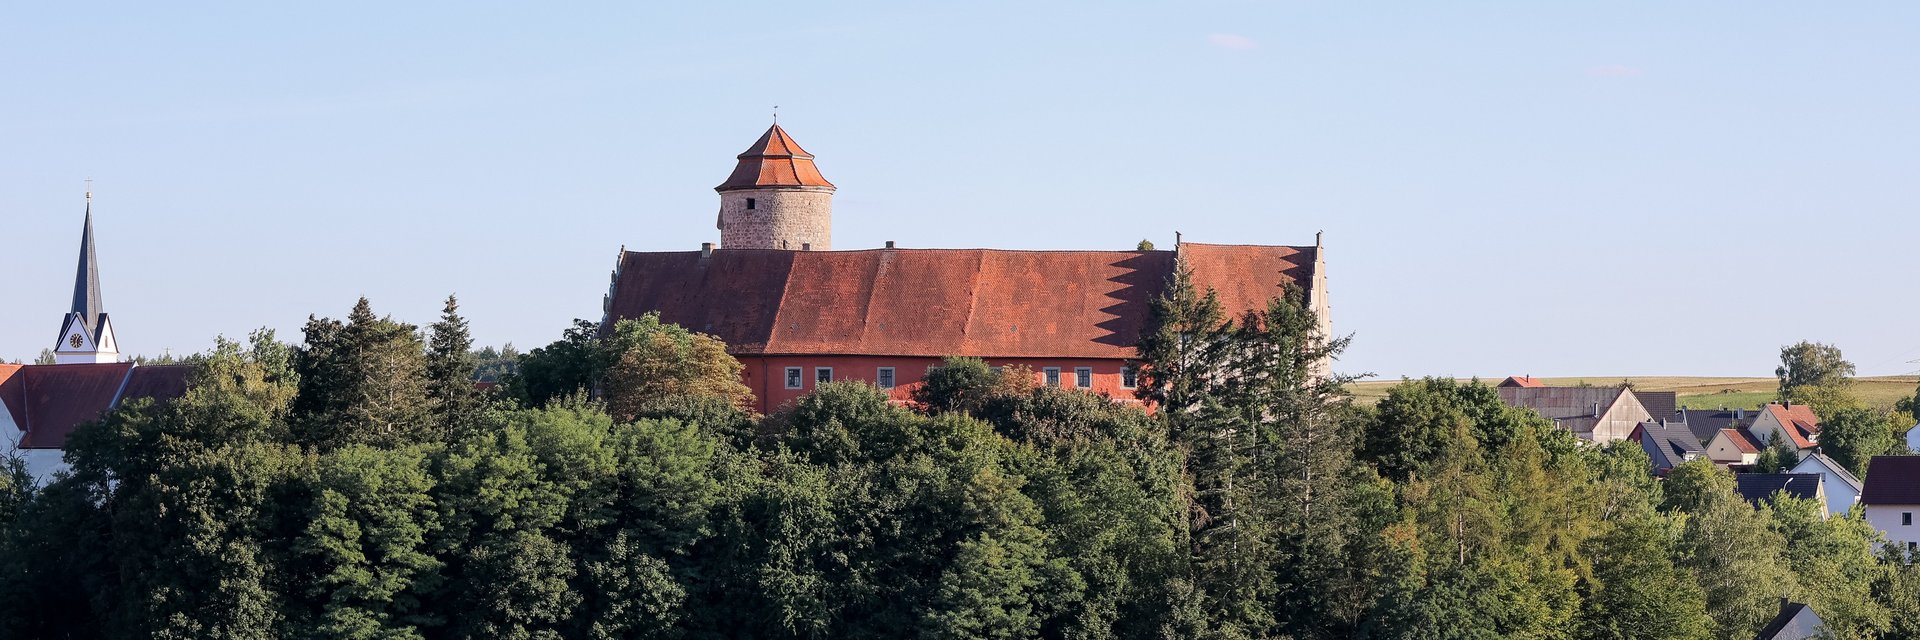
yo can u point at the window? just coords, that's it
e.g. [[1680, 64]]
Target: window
[[1127, 378], [749, 203], [1083, 377], [1911, 545], [822, 375], [1906, 519], [1053, 376], [884, 378], [793, 377]]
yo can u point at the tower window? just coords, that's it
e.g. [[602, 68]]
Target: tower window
[[749, 203]]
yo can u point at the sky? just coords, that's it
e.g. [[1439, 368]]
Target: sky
[[1623, 188]]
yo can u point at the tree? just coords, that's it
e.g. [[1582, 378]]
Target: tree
[[572, 364], [45, 357], [1779, 455], [1853, 436], [1834, 566], [1815, 374], [1145, 245], [362, 381], [1180, 346], [450, 367], [363, 556], [1734, 555], [650, 362]]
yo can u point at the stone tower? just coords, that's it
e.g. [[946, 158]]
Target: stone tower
[[776, 199], [86, 335]]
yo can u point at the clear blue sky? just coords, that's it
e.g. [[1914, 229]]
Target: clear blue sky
[[1613, 188]]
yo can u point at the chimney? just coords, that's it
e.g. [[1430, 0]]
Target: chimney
[[706, 249], [1596, 409], [889, 244]]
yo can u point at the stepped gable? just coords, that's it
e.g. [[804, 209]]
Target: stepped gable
[[938, 302], [774, 160]]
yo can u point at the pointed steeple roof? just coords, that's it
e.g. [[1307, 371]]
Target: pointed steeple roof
[[86, 280], [774, 160]]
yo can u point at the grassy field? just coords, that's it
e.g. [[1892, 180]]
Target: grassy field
[[1697, 392]]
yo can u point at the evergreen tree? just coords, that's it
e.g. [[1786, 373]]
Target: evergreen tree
[[364, 381], [450, 368]]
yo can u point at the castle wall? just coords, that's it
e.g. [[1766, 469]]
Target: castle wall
[[799, 217]]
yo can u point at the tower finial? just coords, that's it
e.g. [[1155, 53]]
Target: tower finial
[[776, 114], [89, 190]]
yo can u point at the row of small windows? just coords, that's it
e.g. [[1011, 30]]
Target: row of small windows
[[884, 377]]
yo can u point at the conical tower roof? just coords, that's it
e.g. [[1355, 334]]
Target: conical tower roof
[[86, 280], [774, 160]]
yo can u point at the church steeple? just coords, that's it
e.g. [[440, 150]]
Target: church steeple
[[86, 335]]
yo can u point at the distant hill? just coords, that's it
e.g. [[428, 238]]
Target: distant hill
[[1696, 392]]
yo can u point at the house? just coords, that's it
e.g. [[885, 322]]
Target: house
[[1841, 487], [1733, 446], [1706, 423], [1759, 488], [1787, 422], [1891, 496], [1667, 444], [1596, 414], [797, 314], [1520, 382], [1662, 405], [1796, 621], [41, 404]]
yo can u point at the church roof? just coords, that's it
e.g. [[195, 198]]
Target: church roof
[[47, 402], [774, 160], [939, 302], [86, 284]]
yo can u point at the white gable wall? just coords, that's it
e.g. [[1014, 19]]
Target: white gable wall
[[42, 463]]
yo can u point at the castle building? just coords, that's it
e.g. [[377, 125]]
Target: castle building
[[798, 314], [40, 404]]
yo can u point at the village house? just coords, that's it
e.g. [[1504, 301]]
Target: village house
[[1668, 444], [1787, 422], [1796, 621], [1842, 488], [1596, 414], [1760, 488], [1891, 496], [43, 403], [797, 314]]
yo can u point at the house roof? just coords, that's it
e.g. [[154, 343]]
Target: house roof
[[1662, 405], [1758, 488], [1827, 465], [938, 302], [1521, 382], [1672, 438], [1704, 423], [1742, 440], [48, 402], [1892, 480], [1576, 409], [1795, 621], [774, 160], [1799, 420]]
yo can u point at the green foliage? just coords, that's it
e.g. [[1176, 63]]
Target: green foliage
[[1853, 436], [46, 357], [450, 368], [1815, 374], [648, 361], [573, 364], [364, 381], [1779, 456]]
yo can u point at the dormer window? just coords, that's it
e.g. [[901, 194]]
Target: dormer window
[[749, 203]]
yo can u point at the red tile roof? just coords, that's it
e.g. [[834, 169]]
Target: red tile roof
[[774, 160], [1523, 382], [1892, 480], [1799, 420], [1741, 440], [938, 302], [48, 401]]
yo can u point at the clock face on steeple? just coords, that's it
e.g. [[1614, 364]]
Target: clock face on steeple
[[75, 340]]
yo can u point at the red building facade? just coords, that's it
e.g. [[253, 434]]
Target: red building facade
[[885, 316]]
